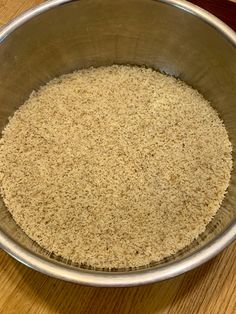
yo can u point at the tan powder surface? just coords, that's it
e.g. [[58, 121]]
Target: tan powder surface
[[114, 167]]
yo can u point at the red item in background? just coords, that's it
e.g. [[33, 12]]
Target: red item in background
[[223, 9]]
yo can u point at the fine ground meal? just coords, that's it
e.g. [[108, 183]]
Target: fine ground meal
[[114, 167]]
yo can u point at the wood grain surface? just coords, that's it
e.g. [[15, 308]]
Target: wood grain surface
[[208, 289]]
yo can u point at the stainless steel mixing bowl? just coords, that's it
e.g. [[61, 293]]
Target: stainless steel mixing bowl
[[173, 36]]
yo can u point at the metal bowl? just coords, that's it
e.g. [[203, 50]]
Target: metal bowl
[[172, 36]]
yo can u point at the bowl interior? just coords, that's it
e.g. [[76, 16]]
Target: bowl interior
[[81, 34]]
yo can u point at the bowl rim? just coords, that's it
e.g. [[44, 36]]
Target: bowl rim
[[136, 277]]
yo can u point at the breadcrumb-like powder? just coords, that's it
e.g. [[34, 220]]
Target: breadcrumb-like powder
[[115, 166]]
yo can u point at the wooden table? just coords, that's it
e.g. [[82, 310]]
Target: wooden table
[[210, 288]]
